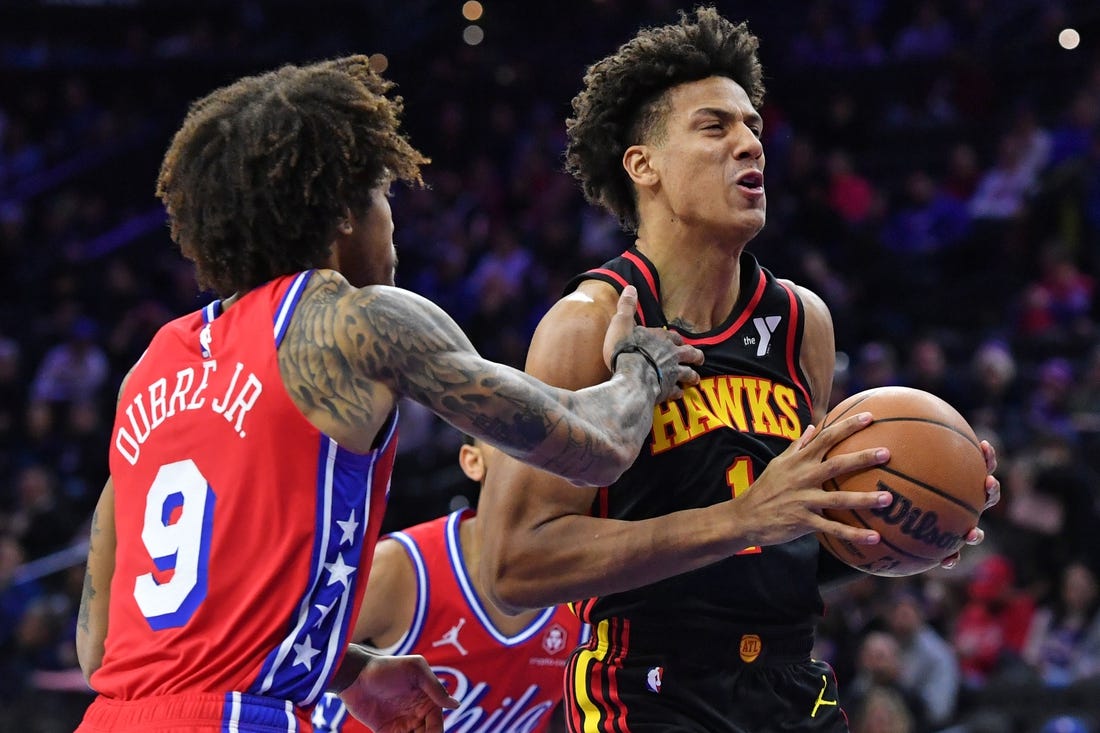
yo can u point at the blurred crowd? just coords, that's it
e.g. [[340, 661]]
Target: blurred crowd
[[933, 173]]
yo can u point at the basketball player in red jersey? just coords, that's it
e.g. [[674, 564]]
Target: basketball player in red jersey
[[253, 442], [424, 597], [699, 566]]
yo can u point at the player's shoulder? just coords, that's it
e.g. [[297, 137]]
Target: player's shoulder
[[590, 306], [812, 303], [392, 568], [566, 349]]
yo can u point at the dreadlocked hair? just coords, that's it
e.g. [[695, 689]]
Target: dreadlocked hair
[[261, 171], [623, 101]]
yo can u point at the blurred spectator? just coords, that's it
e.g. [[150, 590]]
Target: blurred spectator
[[822, 41], [1035, 139], [1064, 639], [1084, 409], [992, 627], [876, 366], [927, 36], [82, 455], [850, 194], [1003, 189], [927, 667], [1072, 137], [867, 48], [1052, 514], [16, 597], [878, 670], [37, 442], [961, 179], [1066, 724], [1048, 405], [73, 370], [1056, 313], [13, 391], [927, 367], [38, 519], [993, 399], [927, 221], [882, 710], [854, 608]]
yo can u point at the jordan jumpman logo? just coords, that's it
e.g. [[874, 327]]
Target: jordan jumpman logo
[[451, 637]]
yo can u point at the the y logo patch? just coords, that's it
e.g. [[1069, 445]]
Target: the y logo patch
[[765, 327]]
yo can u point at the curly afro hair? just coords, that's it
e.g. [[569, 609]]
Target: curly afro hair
[[262, 170], [622, 102]]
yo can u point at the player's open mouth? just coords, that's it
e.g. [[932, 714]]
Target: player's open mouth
[[751, 180]]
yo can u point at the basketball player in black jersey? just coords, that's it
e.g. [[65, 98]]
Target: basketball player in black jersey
[[700, 564]]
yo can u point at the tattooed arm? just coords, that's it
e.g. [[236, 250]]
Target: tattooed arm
[[351, 354], [91, 625]]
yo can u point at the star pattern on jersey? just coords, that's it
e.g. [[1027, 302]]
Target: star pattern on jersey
[[347, 529], [304, 654], [339, 571], [324, 611]]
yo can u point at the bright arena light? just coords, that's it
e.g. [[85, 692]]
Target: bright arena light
[[472, 10], [1069, 39], [378, 62], [473, 35]]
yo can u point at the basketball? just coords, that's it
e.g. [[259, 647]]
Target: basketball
[[936, 473]]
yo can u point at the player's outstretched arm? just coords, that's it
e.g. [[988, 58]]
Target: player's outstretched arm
[[91, 625], [405, 342]]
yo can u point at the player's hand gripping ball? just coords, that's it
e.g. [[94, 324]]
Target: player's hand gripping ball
[[936, 473]]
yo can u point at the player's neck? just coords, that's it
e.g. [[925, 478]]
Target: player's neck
[[470, 537], [699, 284]]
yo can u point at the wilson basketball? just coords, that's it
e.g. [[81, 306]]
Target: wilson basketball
[[936, 473]]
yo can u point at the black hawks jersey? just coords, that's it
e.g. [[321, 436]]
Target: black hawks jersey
[[752, 402]]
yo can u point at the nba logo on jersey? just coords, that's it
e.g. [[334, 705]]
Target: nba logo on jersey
[[204, 341], [554, 640], [653, 679]]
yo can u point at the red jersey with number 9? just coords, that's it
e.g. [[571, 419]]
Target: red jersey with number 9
[[243, 531]]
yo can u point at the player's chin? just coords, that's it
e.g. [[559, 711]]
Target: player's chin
[[756, 217], [748, 222]]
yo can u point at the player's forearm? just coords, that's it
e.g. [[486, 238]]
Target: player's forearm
[[615, 417], [89, 640], [589, 437], [591, 556], [91, 627]]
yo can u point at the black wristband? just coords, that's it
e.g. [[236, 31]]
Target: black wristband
[[355, 659], [636, 349]]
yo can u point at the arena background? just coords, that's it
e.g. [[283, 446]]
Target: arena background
[[933, 173]]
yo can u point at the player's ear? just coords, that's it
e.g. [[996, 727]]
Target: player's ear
[[345, 227], [472, 462], [638, 163], [344, 223]]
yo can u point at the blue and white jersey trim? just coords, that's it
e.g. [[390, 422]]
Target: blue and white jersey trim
[[423, 593], [462, 575]]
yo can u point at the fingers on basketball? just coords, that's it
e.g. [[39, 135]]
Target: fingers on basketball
[[936, 475]]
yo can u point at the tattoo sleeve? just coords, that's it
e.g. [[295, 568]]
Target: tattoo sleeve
[[351, 340], [88, 593]]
